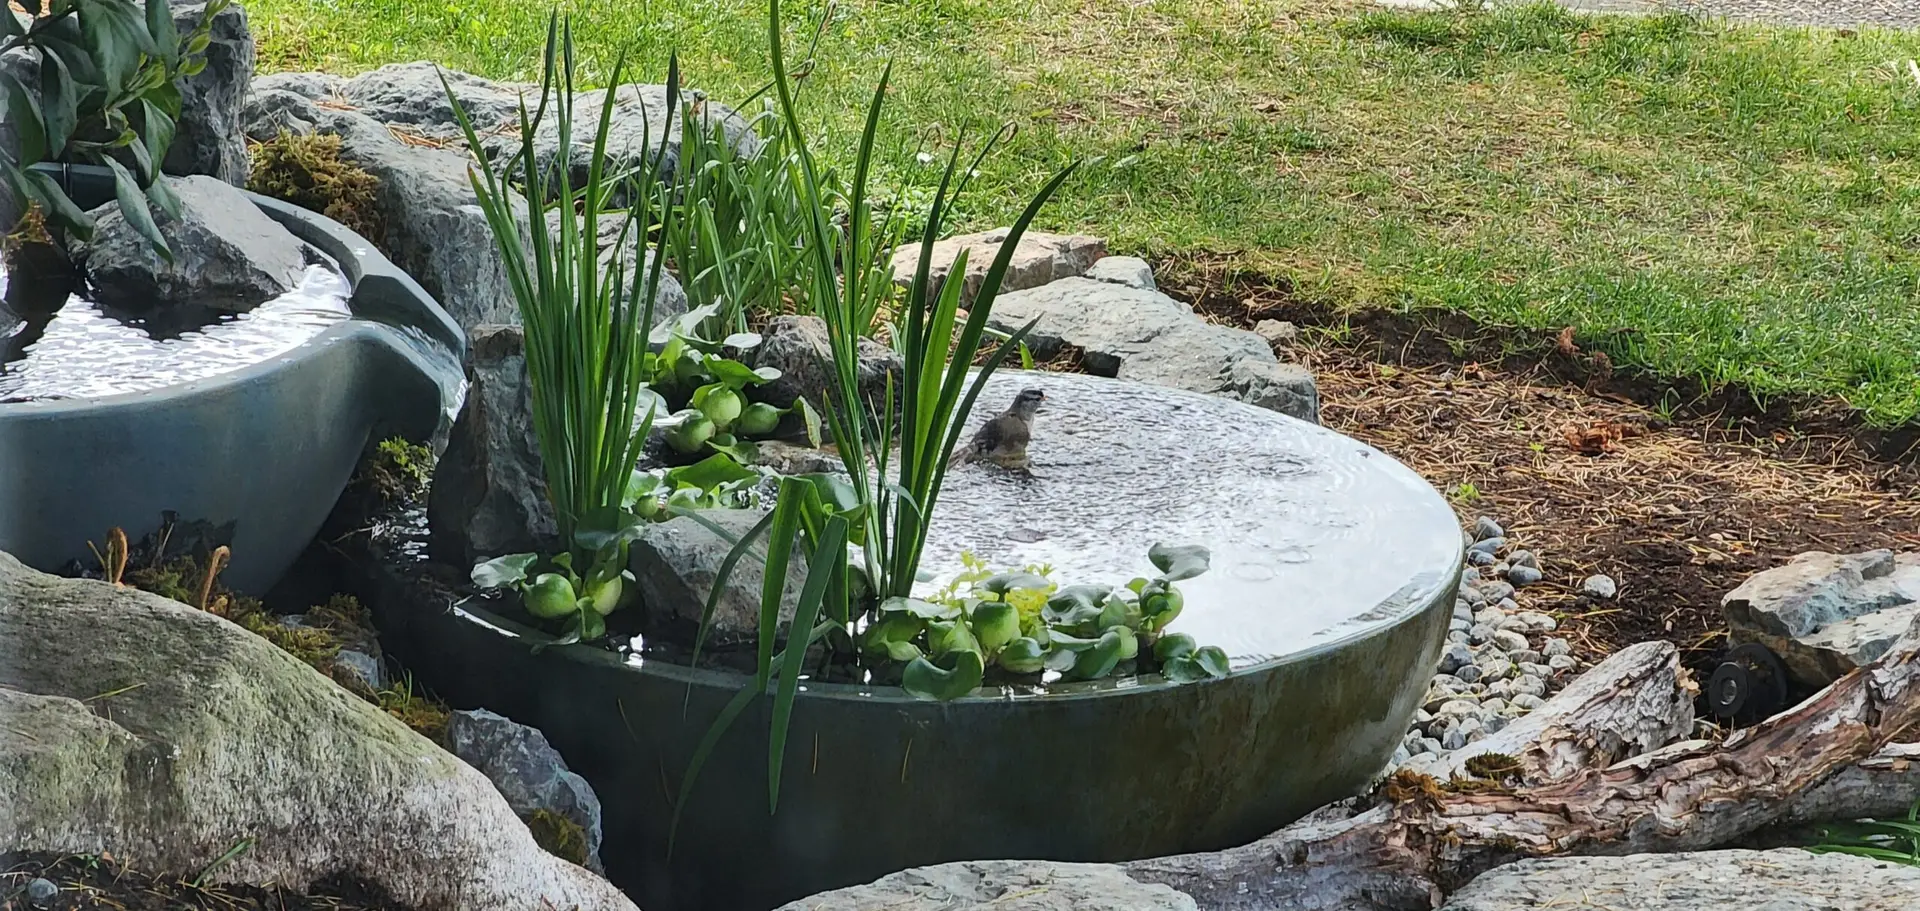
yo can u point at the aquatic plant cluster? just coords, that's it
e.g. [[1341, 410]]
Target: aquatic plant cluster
[[750, 236]]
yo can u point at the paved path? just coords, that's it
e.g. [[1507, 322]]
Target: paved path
[[1835, 13]]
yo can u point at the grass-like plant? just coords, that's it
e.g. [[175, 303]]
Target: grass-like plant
[[586, 330], [1893, 840]]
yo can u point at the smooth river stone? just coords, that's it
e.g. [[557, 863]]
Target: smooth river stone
[[1314, 536]]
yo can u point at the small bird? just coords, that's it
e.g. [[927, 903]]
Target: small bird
[[1003, 440]]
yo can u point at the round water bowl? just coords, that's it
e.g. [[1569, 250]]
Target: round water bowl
[[1334, 570], [259, 453]]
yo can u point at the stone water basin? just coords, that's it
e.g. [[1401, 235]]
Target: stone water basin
[[1332, 585], [253, 425]]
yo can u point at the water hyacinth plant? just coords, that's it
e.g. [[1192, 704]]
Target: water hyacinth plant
[[586, 331]]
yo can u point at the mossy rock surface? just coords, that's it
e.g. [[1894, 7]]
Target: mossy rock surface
[[307, 170], [156, 731]]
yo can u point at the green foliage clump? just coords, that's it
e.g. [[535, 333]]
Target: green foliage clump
[[559, 836], [424, 714], [1892, 840], [396, 470], [315, 646], [307, 170]]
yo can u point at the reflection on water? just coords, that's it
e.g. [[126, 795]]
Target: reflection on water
[[1313, 534], [82, 352]]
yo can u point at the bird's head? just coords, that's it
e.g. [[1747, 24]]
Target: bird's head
[[1028, 402]]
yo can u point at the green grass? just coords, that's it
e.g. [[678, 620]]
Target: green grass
[[1737, 205]]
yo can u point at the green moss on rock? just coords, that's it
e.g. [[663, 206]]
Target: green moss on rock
[[560, 836], [307, 170]]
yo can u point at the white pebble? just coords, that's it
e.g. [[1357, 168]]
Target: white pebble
[[1509, 641], [1556, 647], [1528, 703], [1539, 622], [1599, 586]]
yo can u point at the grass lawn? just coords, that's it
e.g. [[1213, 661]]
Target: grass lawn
[[1730, 204]]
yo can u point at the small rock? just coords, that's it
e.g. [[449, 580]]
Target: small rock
[[1497, 591], [1499, 569], [1599, 586], [1491, 616], [1522, 576], [1454, 708], [1529, 685], [1556, 647], [1513, 623], [1495, 723], [527, 770], [41, 892], [1278, 332], [1525, 656], [1509, 641], [1495, 669], [228, 256], [1131, 271], [1454, 739], [1038, 259], [1471, 673], [1561, 664], [800, 348], [1422, 716], [1429, 745], [1479, 558], [1481, 633], [1474, 594], [1523, 558], [1455, 658], [1459, 637], [1539, 622], [1462, 608], [1527, 702], [1459, 625], [1494, 706], [1508, 604], [1484, 528], [1500, 689], [360, 664], [1400, 755], [1541, 671], [1489, 545], [1411, 743]]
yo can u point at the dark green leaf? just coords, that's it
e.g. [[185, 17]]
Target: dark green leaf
[[1177, 645], [811, 419], [59, 207], [1100, 660], [734, 373], [166, 38], [829, 560], [23, 115], [133, 205], [500, 572], [927, 680], [1061, 660], [711, 472], [740, 452], [1179, 561], [156, 129], [1002, 583], [704, 750], [1024, 656], [1183, 670], [59, 101]]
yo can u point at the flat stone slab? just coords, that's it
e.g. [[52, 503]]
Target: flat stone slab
[[1826, 614], [1002, 885], [1787, 879], [1314, 536]]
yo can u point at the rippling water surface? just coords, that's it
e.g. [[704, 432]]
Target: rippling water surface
[[83, 352]]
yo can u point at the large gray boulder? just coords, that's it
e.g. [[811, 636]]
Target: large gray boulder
[[677, 563], [168, 734], [1002, 885], [433, 225], [210, 137], [799, 347], [1787, 879], [1826, 614], [1141, 334], [1039, 258], [227, 254], [489, 491], [527, 770]]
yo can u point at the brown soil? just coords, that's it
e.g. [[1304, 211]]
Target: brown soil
[[100, 882], [1585, 465]]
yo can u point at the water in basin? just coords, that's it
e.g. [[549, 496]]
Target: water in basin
[[83, 352]]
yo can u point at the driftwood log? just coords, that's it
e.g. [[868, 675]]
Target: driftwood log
[[1569, 783]]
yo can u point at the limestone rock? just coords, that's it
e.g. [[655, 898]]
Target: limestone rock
[[1788, 879], [1038, 259], [210, 137], [166, 733], [1130, 271], [227, 254], [1826, 614], [1002, 885], [527, 770], [1142, 335], [1278, 332], [677, 562], [799, 348], [434, 227], [489, 492]]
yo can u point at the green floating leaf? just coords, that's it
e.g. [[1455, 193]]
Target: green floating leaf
[[550, 597], [1023, 656], [1177, 645], [1061, 660], [500, 572], [928, 610], [23, 115], [927, 680], [133, 205], [946, 636], [1183, 670], [1213, 660], [710, 472], [740, 452], [735, 374], [1101, 659], [1002, 583], [1177, 562]]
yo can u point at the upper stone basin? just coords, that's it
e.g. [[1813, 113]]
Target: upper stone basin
[[1314, 536]]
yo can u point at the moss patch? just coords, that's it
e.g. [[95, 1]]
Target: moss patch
[[426, 715], [309, 172], [560, 836]]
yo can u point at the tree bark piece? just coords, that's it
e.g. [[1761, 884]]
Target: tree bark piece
[[1634, 702], [1430, 838]]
